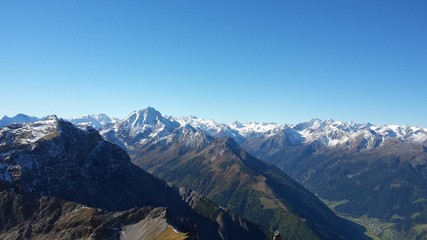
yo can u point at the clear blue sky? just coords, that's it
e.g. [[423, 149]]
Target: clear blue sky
[[280, 61]]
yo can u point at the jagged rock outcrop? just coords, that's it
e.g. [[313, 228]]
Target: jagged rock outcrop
[[24, 217]]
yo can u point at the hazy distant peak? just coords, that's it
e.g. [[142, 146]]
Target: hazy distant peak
[[19, 118], [94, 120], [236, 124]]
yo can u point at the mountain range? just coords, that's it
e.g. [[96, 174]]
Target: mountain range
[[221, 170], [66, 182], [364, 170], [361, 170]]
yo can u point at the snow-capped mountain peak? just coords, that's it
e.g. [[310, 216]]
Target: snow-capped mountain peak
[[253, 129], [236, 124], [329, 133], [148, 117], [139, 118], [94, 120], [332, 133], [207, 125], [141, 126]]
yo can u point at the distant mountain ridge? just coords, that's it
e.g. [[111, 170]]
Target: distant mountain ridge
[[94, 120], [19, 118], [329, 132]]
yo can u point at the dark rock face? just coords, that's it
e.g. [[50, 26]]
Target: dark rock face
[[23, 217], [55, 158], [80, 166]]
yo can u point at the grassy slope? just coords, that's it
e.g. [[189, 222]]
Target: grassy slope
[[253, 189], [375, 228], [238, 192]]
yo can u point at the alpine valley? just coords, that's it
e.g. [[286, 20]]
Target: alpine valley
[[305, 180], [373, 174]]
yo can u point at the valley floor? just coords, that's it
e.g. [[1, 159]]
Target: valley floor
[[375, 228]]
